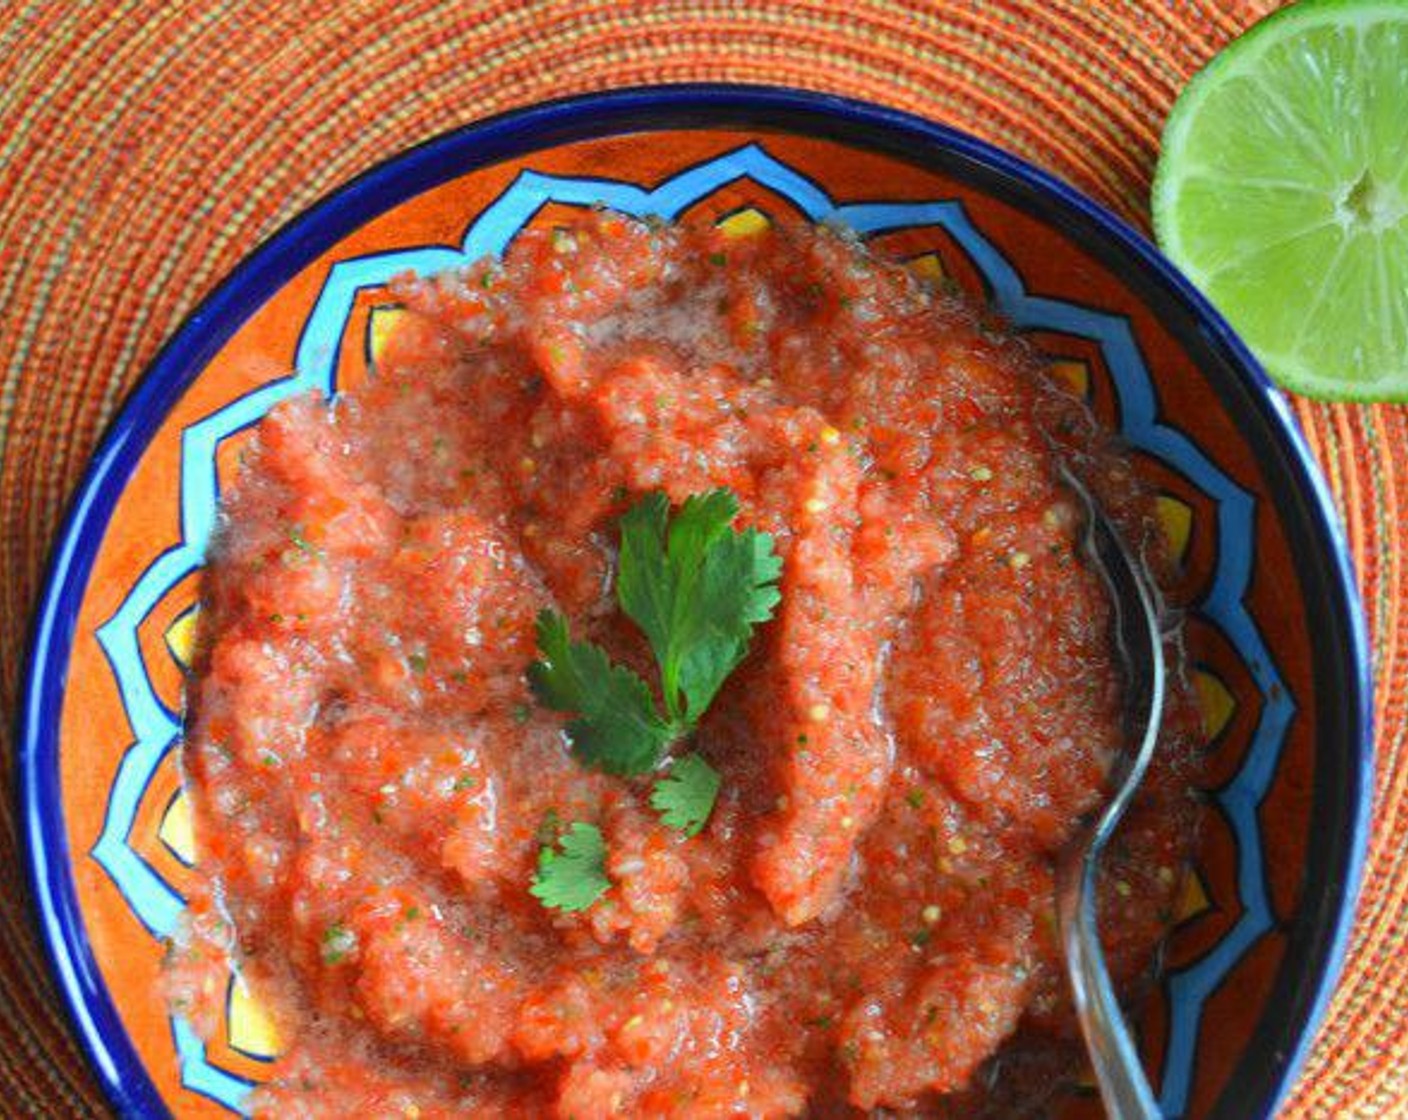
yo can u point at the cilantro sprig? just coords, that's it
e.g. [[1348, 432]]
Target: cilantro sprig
[[697, 588]]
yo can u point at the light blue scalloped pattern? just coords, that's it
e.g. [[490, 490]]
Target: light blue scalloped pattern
[[156, 729]]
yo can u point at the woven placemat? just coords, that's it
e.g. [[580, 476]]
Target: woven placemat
[[145, 147]]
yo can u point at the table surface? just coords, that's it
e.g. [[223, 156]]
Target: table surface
[[147, 145]]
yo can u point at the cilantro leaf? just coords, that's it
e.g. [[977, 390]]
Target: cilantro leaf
[[616, 727], [573, 877], [696, 588], [684, 798]]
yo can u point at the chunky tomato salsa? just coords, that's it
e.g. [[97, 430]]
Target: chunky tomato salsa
[[829, 891]]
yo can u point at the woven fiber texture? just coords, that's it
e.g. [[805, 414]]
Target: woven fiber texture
[[147, 145]]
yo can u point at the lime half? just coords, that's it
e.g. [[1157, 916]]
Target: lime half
[[1282, 191]]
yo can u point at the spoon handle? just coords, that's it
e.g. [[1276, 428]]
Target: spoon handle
[[1123, 1086], [1139, 642]]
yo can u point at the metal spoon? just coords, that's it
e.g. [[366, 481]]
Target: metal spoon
[[1123, 1087]]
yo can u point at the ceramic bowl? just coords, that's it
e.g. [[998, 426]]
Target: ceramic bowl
[[1275, 636]]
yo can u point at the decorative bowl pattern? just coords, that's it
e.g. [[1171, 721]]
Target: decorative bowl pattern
[[1275, 639]]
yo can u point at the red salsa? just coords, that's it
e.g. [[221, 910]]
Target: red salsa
[[866, 920]]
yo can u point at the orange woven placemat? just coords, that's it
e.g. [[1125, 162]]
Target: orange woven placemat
[[147, 145]]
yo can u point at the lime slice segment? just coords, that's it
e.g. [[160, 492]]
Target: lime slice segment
[[1282, 192]]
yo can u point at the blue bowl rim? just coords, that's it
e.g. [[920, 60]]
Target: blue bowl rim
[[411, 171]]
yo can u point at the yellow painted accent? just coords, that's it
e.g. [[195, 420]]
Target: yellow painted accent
[[1176, 520], [1215, 701], [1192, 899], [928, 267], [175, 830], [181, 637], [250, 1028], [381, 322], [1074, 374], [745, 223]]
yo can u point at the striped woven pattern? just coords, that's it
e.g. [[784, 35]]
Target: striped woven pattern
[[147, 145]]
